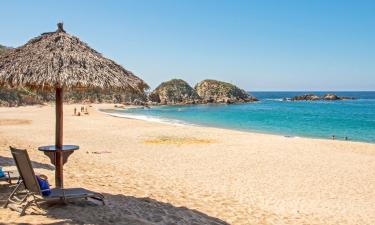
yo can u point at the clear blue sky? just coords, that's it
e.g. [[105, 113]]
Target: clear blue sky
[[258, 45]]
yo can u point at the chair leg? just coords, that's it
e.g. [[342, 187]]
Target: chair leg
[[23, 212], [22, 209], [12, 195], [22, 200], [36, 202]]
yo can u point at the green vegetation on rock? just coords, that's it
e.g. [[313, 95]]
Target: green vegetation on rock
[[175, 91], [23, 96], [214, 91], [3, 49]]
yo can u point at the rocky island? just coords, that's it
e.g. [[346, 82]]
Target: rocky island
[[325, 97], [175, 91], [214, 91]]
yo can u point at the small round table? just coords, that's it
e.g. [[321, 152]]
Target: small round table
[[64, 152]]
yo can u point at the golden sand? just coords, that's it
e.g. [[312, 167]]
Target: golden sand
[[154, 173]]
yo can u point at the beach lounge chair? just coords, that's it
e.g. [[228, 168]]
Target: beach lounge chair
[[32, 194], [9, 176]]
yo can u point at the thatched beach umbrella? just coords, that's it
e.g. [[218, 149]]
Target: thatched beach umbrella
[[59, 61]]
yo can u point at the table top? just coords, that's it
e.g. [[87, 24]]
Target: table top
[[54, 148]]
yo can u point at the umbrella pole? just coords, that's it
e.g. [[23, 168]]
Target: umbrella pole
[[59, 138]]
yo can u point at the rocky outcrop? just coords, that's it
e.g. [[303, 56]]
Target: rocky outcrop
[[213, 91], [333, 97], [306, 97], [175, 91], [325, 97], [330, 97]]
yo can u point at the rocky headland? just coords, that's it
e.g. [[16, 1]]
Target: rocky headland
[[177, 91], [214, 91]]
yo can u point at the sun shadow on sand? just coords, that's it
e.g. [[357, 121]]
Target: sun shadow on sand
[[8, 161], [121, 209]]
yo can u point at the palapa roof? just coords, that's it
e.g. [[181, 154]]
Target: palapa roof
[[58, 59]]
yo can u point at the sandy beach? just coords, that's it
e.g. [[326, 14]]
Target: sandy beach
[[153, 173]]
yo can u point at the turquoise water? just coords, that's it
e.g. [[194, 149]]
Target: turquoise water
[[354, 119]]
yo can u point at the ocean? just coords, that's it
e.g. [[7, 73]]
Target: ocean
[[351, 119]]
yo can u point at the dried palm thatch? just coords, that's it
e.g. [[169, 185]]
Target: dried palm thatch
[[58, 59]]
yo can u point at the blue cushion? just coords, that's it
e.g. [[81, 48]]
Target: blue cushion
[[44, 186]]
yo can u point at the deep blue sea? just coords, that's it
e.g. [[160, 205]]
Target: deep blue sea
[[354, 119]]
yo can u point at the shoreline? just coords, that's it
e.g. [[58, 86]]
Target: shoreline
[[111, 106], [184, 123]]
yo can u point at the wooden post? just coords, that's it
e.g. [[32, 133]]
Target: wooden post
[[59, 180]]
